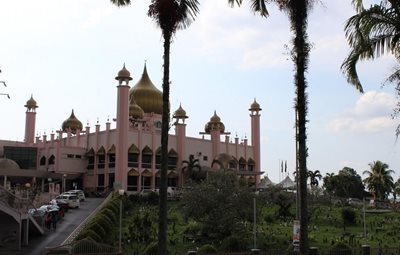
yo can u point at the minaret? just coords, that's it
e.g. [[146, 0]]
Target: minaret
[[121, 150], [215, 128], [255, 135], [180, 132], [30, 120]]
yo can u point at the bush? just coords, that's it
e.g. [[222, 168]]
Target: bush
[[207, 249], [89, 233], [233, 243], [110, 214], [93, 225], [151, 249], [348, 216], [340, 249]]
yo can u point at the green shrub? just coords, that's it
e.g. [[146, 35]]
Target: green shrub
[[348, 216], [233, 243], [93, 225], [151, 249], [105, 222], [89, 233], [110, 214], [207, 249], [340, 249]]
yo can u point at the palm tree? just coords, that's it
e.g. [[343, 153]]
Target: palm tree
[[371, 33], [297, 11], [169, 15], [314, 177], [191, 168], [379, 181]]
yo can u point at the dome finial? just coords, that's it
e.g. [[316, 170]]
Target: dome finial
[[72, 124], [123, 75]]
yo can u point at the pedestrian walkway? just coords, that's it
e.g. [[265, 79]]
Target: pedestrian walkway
[[55, 237]]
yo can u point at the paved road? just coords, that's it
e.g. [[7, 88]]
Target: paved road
[[71, 220]]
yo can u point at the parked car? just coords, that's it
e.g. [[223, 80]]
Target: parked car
[[77, 192], [73, 200], [53, 208], [61, 203], [146, 192]]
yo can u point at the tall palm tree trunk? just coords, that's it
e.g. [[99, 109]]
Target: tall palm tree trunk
[[298, 19], [162, 217]]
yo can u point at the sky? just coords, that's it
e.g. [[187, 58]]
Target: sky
[[66, 54]]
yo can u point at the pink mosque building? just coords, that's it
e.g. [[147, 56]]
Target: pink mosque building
[[127, 157]]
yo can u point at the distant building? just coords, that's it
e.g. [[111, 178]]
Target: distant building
[[127, 157]]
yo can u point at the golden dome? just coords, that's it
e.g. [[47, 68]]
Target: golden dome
[[146, 95], [134, 110], [31, 103], [180, 113], [72, 124], [255, 106], [123, 74], [214, 124]]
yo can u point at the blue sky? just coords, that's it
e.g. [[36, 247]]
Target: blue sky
[[67, 53]]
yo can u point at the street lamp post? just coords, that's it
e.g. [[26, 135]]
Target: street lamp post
[[121, 192], [50, 191], [63, 183]]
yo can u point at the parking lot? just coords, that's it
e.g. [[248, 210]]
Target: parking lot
[[65, 226]]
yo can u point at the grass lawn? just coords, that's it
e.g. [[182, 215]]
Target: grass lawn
[[326, 228]]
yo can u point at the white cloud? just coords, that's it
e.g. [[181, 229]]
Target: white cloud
[[370, 114]]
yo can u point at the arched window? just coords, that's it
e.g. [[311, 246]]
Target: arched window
[[111, 157], [242, 164], [147, 154], [52, 160], [172, 159], [251, 164], [101, 158], [90, 157], [133, 156], [42, 161]]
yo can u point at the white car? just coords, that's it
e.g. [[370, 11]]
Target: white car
[[73, 200], [77, 192]]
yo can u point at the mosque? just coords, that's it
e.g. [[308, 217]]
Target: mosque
[[127, 157]]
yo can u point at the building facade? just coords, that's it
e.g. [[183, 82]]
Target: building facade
[[128, 156]]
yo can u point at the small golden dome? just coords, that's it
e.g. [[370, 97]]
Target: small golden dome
[[214, 124], [72, 124], [146, 95], [134, 110], [180, 113], [31, 103], [124, 74], [255, 106]]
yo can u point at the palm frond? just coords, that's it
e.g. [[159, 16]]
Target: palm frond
[[260, 7], [358, 5], [370, 33], [120, 3]]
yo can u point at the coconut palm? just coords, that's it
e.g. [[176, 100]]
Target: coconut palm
[[169, 15], [191, 168], [371, 33], [314, 176], [379, 181], [297, 11]]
